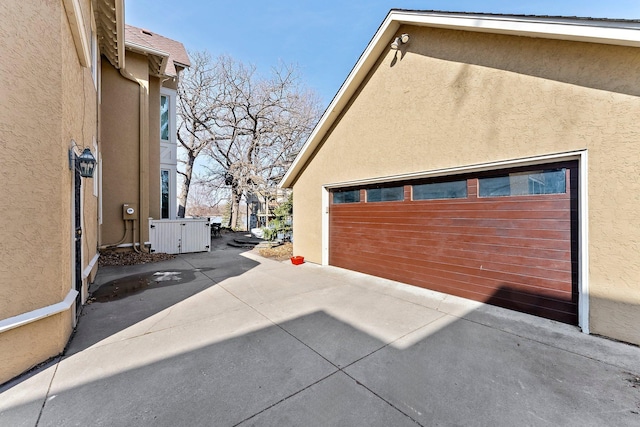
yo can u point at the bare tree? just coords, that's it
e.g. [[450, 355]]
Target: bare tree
[[260, 125], [197, 92], [249, 128], [206, 198]]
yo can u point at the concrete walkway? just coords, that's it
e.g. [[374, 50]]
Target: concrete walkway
[[229, 338]]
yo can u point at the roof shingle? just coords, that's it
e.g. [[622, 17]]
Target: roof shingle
[[175, 49]]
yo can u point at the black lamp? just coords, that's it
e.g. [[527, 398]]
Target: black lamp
[[87, 163]]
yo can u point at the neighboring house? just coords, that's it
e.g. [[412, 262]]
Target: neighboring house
[[262, 205], [486, 156], [64, 89]]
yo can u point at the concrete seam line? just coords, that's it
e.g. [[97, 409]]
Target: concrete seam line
[[267, 318], [287, 397], [391, 342], [339, 369], [278, 326], [46, 396], [383, 399]]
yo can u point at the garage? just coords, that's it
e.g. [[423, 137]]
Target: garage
[[505, 237]]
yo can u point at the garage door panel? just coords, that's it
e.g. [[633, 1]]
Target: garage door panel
[[509, 295], [388, 229], [418, 222], [553, 259], [536, 248], [395, 216], [544, 244], [433, 210], [485, 249], [515, 251], [465, 256], [527, 229], [549, 202], [483, 260], [426, 270]]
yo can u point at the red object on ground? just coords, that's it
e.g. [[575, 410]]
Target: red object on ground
[[297, 260]]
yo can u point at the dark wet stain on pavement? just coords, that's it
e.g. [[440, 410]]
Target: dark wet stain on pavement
[[130, 285]]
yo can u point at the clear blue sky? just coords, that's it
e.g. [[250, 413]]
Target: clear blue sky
[[323, 37]]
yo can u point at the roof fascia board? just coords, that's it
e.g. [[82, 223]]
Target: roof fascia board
[[606, 32], [120, 31], [78, 31]]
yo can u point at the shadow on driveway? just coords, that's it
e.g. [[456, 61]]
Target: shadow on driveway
[[125, 295], [461, 373]]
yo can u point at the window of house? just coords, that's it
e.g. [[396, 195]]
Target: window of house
[[385, 194], [164, 194], [440, 190], [164, 117], [524, 183], [346, 196]]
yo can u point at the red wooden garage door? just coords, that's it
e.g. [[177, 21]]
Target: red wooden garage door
[[507, 237]]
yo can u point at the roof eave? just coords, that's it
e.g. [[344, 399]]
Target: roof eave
[[109, 16], [625, 33], [157, 58]]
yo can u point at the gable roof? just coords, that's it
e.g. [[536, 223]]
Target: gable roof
[[605, 31], [164, 53]]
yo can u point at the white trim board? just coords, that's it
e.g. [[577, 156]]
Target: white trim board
[[78, 31], [39, 314], [87, 271], [457, 170], [583, 212]]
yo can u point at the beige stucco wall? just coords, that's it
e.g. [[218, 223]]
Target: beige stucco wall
[[79, 123], [27, 346], [48, 99], [120, 137], [457, 98], [119, 129]]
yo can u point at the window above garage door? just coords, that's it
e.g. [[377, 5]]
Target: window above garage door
[[440, 190], [552, 181]]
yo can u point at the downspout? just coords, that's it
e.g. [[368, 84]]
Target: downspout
[[143, 158]]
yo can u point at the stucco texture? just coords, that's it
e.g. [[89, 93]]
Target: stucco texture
[[33, 343], [455, 98], [120, 139], [48, 100]]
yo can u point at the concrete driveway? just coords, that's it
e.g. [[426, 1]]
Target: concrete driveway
[[229, 338]]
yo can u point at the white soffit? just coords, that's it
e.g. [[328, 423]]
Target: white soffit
[[109, 15], [621, 33]]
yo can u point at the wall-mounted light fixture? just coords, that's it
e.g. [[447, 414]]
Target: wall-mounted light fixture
[[402, 39], [85, 162]]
